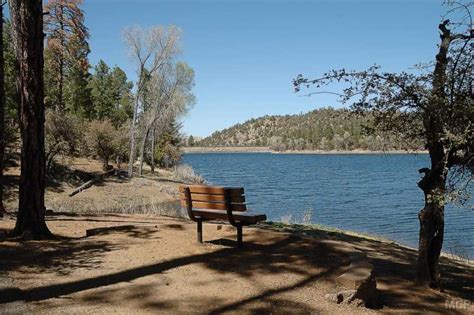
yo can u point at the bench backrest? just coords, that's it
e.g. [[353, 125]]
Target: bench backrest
[[213, 197]]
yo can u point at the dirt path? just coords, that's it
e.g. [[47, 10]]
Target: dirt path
[[140, 264]]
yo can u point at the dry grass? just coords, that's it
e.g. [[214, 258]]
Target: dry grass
[[152, 194], [186, 174]]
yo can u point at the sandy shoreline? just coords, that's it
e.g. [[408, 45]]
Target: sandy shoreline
[[190, 150]]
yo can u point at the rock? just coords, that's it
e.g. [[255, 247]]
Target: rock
[[359, 279], [333, 298], [357, 302], [346, 297]]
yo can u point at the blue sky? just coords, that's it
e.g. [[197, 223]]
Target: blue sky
[[245, 53]]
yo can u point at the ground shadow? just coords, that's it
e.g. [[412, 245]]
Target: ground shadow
[[62, 255], [287, 254], [134, 231], [394, 267]]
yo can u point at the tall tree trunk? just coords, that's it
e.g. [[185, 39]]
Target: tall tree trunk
[[431, 219], [433, 183], [2, 112], [27, 27], [152, 165], [131, 158], [142, 150]]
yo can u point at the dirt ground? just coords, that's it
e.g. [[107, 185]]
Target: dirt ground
[[141, 264]]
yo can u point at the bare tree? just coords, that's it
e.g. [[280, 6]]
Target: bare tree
[[169, 97], [151, 49], [27, 33], [434, 105]]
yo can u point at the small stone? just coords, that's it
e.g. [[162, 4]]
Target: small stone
[[332, 298], [346, 296]]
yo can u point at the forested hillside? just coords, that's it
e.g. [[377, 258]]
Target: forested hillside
[[321, 129]]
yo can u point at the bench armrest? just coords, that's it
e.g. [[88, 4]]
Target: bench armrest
[[228, 206], [189, 204]]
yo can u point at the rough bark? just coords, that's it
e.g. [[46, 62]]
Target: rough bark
[[433, 183], [2, 112], [27, 26], [431, 235]]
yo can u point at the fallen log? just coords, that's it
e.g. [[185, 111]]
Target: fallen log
[[108, 230], [96, 179]]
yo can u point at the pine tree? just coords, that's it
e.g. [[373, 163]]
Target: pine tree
[[77, 94], [100, 90], [191, 141], [27, 21], [111, 94], [168, 150], [122, 97], [66, 56]]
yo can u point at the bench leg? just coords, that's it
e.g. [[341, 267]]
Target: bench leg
[[199, 231], [239, 235]]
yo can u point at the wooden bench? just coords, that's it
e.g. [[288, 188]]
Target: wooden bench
[[205, 203]]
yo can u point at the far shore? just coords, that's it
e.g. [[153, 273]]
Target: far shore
[[268, 150]]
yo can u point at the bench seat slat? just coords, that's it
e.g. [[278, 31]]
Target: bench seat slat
[[213, 190], [215, 205], [222, 215], [213, 198]]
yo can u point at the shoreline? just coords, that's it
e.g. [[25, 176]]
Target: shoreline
[[300, 227], [192, 150]]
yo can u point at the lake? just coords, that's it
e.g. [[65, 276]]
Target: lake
[[374, 194]]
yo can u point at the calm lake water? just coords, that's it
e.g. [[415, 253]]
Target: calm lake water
[[375, 194]]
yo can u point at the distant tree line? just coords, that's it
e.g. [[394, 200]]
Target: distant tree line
[[321, 129]]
